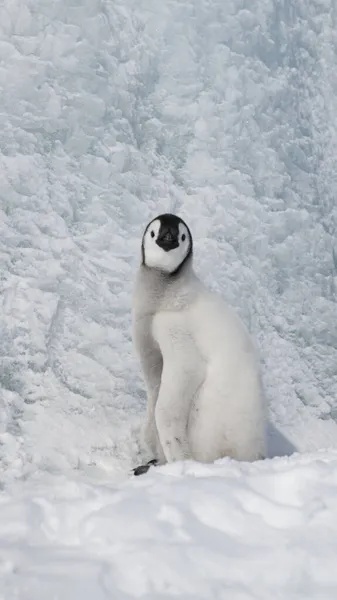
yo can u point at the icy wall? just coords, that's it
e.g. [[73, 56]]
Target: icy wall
[[113, 111]]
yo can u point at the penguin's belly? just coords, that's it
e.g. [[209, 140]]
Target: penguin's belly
[[227, 415], [206, 427]]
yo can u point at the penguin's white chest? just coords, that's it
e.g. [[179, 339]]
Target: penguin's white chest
[[174, 334]]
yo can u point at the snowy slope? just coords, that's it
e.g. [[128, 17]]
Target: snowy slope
[[111, 112], [195, 532]]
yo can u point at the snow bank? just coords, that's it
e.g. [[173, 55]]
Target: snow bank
[[226, 531]]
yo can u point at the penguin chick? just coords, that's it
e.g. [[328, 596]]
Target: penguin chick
[[204, 395]]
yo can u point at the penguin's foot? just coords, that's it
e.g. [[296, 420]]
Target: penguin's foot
[[144, 468]]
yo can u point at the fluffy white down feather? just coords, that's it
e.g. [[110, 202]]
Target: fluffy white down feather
[[205, 398]]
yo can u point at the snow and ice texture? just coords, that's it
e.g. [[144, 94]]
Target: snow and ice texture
[[224, 532], [112, 111]]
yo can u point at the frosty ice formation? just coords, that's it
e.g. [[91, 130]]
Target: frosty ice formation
[[204, 394]]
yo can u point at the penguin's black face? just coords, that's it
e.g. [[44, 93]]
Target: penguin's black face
[[167, 243]]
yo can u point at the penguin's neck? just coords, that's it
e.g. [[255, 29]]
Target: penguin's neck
[[157, 290]]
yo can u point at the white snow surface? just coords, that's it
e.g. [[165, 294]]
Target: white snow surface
[[112, 111], [229, 531]]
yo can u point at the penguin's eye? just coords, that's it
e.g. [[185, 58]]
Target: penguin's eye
[[183, 237], [152, 233]]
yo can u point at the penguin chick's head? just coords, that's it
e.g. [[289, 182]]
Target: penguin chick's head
[[167, 244]]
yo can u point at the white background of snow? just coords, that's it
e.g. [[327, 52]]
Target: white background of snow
[[111, 112]]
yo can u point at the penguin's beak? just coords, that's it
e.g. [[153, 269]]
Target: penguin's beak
[[168, 239]]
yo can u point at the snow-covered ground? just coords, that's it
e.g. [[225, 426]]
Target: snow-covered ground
[[238, 532], [112, 111]]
